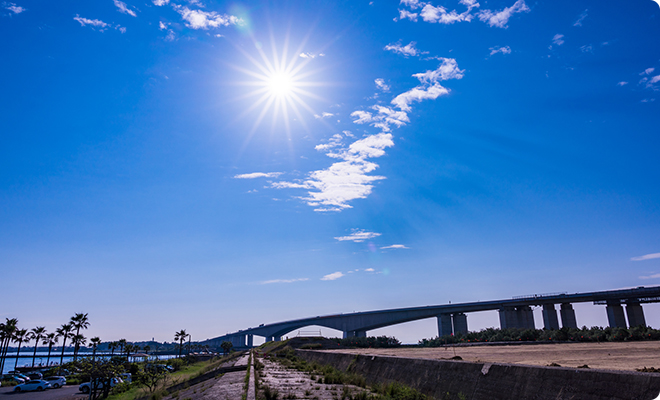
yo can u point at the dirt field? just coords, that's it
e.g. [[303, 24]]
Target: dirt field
[[615, 356]]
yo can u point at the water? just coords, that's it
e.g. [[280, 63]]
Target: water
[[42, 356]]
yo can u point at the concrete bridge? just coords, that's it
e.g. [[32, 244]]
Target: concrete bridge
[[452, 318]]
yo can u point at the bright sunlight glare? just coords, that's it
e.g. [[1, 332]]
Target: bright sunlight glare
[[280, 84]]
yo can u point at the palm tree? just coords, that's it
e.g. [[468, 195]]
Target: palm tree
[[77, 340], [147, 348], [64, 332], [7, 331], [50, 339], [180, 337], [36, 334], [20, 336], [121, 343], [79, 321], [112, 346], [94, 342]]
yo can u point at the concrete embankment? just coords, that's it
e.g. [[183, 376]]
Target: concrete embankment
[[445, 379]]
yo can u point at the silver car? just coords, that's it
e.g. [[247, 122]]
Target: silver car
[[36, 384], [56, 381]]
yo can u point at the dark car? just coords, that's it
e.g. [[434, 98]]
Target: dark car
[[35, 375]]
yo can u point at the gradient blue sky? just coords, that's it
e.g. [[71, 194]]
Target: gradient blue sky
[[426, 152]]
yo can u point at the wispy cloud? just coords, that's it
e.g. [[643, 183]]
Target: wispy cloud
[[380, 84], [198, 19], [430, 87], [333, 276], [160, 2], [501, 18], [558, 39], [648, 81], [311, 55], [646, 257], [358, 236], [123, 8], [622, 83], [587, 48], [369, 270], [407, 50], [254, 175], [91, 22], [13, 8], [323, 115], [283, 281], [395, 246], [498, 49], [581, 18]]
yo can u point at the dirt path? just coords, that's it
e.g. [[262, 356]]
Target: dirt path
[[611, 355], [227, 387], [293, 384]]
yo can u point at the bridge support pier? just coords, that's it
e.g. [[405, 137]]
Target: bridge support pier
[[635, 315], [568, 316], [444, 325], [350, 334], [238, 341], [460, 323], [615, 315], [525, 317], [508, 318], [550, 320], [250, 341]]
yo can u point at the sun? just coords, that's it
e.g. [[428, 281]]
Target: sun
[[281, 85]]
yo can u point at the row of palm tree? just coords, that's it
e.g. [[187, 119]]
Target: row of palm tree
[[10, 333]]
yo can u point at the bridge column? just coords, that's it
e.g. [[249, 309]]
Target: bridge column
[[277, 338], [508, 318], [615, 315], [460, 323], [635, 314], [568, 316], [238, 341], [525, 317], [444, 325], [250, 340], [550, 320]]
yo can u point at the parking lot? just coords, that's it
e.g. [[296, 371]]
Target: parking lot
[[66, 392]]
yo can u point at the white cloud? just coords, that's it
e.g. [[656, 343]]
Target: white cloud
[[646, 257], [407, 50], [162, 25], [124, 9], [333, 276], [358, 235], [558, 39], [160, 2], [622, 83], [283, 281], [92, 22], [430, 88], [587, 48], [395, 246], [13, 8], [440, 15], [501, 18], [198, 19], [369, 270], [254, 175], [380, 84], [311, 55], [121, 29], [498, 49], [654, 276], [581, 18], [323, 115], [647, 71], [405, 14], [412, 3]]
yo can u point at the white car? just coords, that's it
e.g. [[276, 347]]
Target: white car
[[87, 387], [56, 381], [35, 384]]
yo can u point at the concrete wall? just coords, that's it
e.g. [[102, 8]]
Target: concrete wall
[[442, 379]]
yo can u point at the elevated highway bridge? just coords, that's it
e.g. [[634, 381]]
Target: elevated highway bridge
[[452, 318]]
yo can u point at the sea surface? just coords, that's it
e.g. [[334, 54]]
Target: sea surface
[[42, 357]]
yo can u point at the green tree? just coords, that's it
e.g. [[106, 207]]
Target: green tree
[[152, 376], [36, 334], [100, 373], [79, 321], [180, 337], [226, 346], [94, 342], [50, 339], [112, 346], [7, 330]]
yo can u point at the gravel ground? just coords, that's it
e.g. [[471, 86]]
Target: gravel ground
[[625, 356], [227, 387], [293, 384]]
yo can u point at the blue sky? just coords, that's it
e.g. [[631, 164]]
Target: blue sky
[[211, 166]]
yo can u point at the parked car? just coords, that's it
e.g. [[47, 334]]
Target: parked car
[[35, 375], [36, 384], [18, 374], [12, 377], [87, 386], [56, 381], [126, 377]]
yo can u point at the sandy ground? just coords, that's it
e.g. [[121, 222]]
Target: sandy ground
[[614, 356]]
